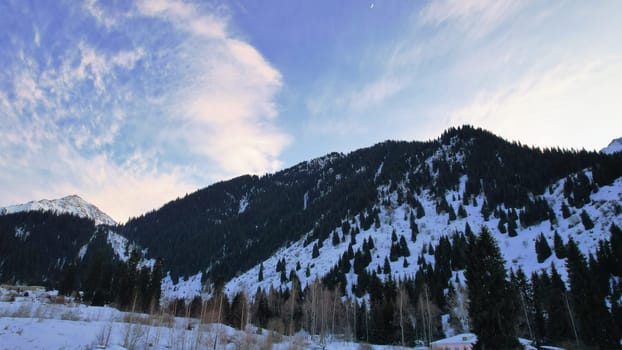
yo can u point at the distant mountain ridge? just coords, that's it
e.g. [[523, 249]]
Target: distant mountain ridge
[[72, 204]]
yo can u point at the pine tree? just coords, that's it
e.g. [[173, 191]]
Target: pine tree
[[501, 226], [420, 210], [462, 212], [616, 248], [558, 325], [594, 322], [414, 229], [587, 221], [452, 213], [543, 250], [467, 230], [492, 309], [336, 239], [512, 228], [316, 251], [558, 246], [404, 251], [387, 266], [260, 277]]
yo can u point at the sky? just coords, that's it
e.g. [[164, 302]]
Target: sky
[[131, 104]]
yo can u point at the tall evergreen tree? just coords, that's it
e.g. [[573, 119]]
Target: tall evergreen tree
[[492, 309], [543, 250], [594, 322], [558, 325], [586, 220]]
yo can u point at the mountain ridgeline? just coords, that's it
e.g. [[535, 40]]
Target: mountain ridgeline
[[398, 243], [229, 227]]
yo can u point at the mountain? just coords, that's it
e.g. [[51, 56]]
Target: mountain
[[396, 226], [467, 175], [71, 205], [614, 146], [40, 240]]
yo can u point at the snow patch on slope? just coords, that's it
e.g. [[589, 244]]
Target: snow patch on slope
[[185, 289], [67, 205], [243, 204], [518, 251], [21, 233], [614, 147]]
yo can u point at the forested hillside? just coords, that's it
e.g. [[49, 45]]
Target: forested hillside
[[398, 242]]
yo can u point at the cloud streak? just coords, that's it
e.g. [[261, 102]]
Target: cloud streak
[[130, 119]]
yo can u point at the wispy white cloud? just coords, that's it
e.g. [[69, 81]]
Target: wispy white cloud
[[376, 92], [133, 124], [227, 108], [475, 17], [185, 15], [100, 15], [547, 108]]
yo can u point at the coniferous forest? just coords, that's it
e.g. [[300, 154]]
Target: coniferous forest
[[380, 290]]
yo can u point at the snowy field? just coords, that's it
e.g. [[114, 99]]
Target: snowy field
[[39, 322]]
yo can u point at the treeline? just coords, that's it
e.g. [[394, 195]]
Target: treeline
[[101, 278]]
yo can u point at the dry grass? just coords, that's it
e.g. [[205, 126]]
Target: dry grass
[[70, 315], [365, 346], [24, 310], [103, 337]]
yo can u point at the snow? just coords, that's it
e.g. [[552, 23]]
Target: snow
[[186, 289], [119, 244], [305, 200], [82, 251], [37, 322], [613, 147], [379, 170], [21, 233], [68, 205], [463, 338], [518, 251], [243, 204]]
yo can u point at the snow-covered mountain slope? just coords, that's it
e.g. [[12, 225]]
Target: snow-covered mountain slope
[[614, 147], [71, 205], [604, 209]]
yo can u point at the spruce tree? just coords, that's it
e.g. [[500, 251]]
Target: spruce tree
[[492, 309], [593, 320], [543, 250], [260, 277], [335, 238], [414, 229], [316, 251], [586, 220], [387, 266], [558, 325], [558, 246]]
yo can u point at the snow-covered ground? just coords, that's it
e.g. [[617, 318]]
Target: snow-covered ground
[[38, 322]]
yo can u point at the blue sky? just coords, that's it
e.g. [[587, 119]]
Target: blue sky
[[133, 103]]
